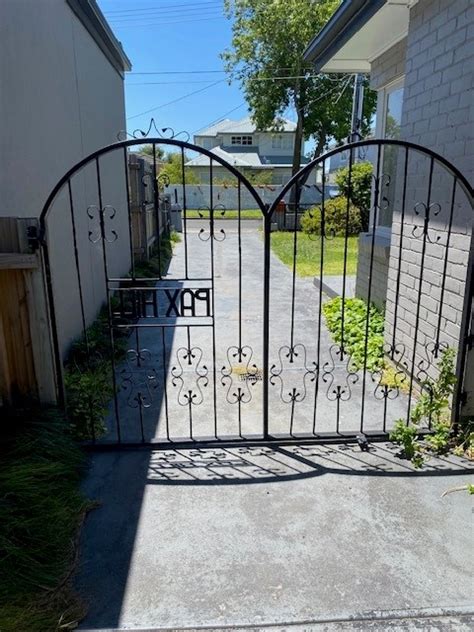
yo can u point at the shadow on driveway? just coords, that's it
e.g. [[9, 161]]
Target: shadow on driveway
[[259, 535]]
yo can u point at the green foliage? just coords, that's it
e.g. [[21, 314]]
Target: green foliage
[[335, 218], [355, 322], [88, 377], [360, 188], [268, 40], [173, 169], [40, 511], [432, 406], [260, 177], [88, 371], [148, 150]]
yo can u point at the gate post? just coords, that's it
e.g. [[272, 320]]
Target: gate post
[[464, 402]]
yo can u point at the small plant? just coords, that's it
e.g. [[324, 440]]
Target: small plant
[[353, 335], [88, 375], [432, 407], [335, 219]]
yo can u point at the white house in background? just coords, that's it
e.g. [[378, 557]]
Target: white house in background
[[250, 150]]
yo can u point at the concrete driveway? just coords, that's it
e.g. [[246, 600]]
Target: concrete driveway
[[316, 407], [318, 538]]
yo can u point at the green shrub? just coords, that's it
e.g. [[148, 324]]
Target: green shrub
[[335, 217], [360, 190], [355, 320]]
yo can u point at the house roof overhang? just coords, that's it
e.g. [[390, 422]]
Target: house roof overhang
[[93, 20], [358, 32]]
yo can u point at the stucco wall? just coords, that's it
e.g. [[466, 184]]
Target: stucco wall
[[60, 100]]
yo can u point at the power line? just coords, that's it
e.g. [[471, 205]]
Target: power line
[[276, 78], [206, 72], [166, 15], [221, 117], [185, 96], [164, 6], [165, 12], [160, 24]]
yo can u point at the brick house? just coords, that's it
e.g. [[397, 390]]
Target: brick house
[[420, 57]]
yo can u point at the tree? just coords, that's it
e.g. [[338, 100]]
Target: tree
[[173, 169], [268, 41], [148, 150]]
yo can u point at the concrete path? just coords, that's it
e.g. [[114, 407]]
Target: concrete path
[[331, 400], [322, 538]]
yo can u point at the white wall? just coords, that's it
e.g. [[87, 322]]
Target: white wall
[[60, 100]]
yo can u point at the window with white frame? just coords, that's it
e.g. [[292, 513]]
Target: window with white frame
[[282, 141], [241, 140], [389, 120]]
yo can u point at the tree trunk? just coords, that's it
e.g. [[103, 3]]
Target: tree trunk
[[299, 132]]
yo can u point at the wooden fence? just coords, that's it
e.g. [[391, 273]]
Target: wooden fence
[[26, 358]]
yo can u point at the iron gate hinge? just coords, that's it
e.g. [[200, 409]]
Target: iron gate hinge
[[33, 238]]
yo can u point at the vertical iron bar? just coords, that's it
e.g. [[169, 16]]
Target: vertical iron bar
[[377, 202], [165, 390], [185, 218], [129, 212], [420, 287], [109, 308], [266, 320], [81, 297], [445, 266], [156, 208], [214, 375], [400, 250], [320, 298], [54, 326], [293, 279], [239, 225], [344, 271]]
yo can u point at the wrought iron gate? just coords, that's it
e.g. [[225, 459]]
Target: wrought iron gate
[[247, 333]]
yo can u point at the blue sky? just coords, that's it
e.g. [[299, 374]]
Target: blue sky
[[170, 36]]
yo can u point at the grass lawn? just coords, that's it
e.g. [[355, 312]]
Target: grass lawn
[[308, 253], [253, 213]]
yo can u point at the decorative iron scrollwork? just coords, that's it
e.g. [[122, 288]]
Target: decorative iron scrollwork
[[239, 365], [289, 356], [342, 391], [204, 234], [396, 352], [427, 212], [190, 376], [162, 132], [139, 379], [100, 216]]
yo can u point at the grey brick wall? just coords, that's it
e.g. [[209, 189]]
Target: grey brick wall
[[389, 66], [374, 275], [438, 112]]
